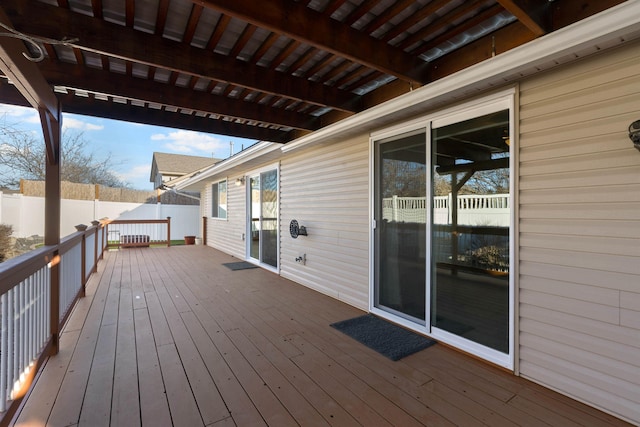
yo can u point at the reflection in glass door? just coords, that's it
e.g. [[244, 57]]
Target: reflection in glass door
[[400, 233], [263, 217], [470, 225]]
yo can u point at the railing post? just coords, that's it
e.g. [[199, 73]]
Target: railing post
[[54, 309], [95, 249], [83, 265], [204, 231], [168, 231]]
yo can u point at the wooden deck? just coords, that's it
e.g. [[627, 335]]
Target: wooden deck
[[169, 336]]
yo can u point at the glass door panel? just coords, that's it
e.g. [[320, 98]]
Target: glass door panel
[[263, 217], [254, 215], [269, 217], [470, 223], [400, 233]]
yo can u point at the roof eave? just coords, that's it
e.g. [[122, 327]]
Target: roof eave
[[253, 152], [613, 26]]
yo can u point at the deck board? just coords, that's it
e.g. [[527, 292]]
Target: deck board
[[169, 336]]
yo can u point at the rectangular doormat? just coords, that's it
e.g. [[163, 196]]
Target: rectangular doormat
[[384, 337], [242, 265]]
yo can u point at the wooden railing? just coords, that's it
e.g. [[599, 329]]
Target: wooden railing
[[37, 293], [138, 232]]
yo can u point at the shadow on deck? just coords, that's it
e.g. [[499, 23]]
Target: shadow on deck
[[169, 336]]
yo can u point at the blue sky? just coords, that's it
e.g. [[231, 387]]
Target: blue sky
[[130, 145]]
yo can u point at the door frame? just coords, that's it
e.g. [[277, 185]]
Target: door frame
[[498, 101], [247, 177]]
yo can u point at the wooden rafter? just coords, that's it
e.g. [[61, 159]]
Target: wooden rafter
[[360, 11], [265, 46], [423, 13], [218, 32], [530, 12], [96, 7], [161, 18], [458, 29], [302, 23], [117, 41], [387, 15], [178, 120], [247, 33], [454, 15], [192, 24], [93, 80]]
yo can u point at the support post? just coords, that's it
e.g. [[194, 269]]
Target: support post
[[204, 231], [51, 127], [168, 231]]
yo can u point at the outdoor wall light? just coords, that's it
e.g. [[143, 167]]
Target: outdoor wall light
[[634, 134], [240, 181]]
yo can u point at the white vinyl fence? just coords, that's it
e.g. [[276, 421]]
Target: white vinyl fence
[[26, 214], [482, 210]]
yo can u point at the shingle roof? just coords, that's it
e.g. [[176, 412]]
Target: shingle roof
[[179, 164]]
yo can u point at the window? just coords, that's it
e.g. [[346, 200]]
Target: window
[[219, 200]]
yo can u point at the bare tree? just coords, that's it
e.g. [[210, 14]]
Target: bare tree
[[23, 156]]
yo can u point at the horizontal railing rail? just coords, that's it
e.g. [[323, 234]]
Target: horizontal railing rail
[[138, 232], [37, 293]]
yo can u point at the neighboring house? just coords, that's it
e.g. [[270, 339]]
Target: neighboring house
[[554, 296], [166, 167]]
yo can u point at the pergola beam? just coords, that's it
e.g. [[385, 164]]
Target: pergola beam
[[105, 82], [531, 13], [296, 20], [117, 41], [145, 115]]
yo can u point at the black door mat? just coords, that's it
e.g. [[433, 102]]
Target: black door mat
[[384, 337], [242, 265]]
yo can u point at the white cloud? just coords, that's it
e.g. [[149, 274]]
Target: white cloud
[[13, 115], [135, 173], [71, 123], [184, 141]]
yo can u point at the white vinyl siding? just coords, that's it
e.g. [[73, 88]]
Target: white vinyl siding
[[579, 183], [326, 190], [227, 235]]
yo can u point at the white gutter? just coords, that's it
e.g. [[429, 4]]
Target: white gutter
[[612, 26], [257, 150]]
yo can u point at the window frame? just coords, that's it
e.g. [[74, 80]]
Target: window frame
[[216, 204]]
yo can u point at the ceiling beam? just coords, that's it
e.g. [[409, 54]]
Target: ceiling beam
[[299, 22], [531, 13], [500, 41], [106, 38], [131, 113], [105, 82], [144, 115]]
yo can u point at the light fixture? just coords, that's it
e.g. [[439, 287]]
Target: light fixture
[[634, 134], [240, 181]]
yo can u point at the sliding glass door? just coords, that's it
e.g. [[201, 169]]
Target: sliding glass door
[[401, 225], [263, 217], [442, 233], [470, 223]]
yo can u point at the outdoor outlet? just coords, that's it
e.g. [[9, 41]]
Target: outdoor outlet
[[302, 259]]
